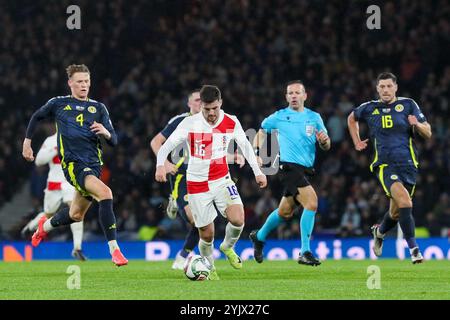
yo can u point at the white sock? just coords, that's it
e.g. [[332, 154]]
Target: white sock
[[206, 250], [113, 246], [48, 226], [33, 224], [77, 233], [232, 234]]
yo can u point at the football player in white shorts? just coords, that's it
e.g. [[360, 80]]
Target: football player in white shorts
[[57, 192], [209, 184]]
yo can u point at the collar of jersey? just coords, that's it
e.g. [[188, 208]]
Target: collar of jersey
[[388, 104], [291, 110], [87, 98]]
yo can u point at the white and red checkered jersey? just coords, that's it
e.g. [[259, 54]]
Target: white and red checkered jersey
[[208, 145], [48, 154]]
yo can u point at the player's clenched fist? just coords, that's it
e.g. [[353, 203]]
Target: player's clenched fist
[[261, 180], [412, 120], [361, 145], [99, 129], [160, 174], [27, 151]]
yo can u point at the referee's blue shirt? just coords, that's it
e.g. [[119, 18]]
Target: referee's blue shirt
[[296, 134]]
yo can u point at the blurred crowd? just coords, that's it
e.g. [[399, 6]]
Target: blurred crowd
[[145, 56]]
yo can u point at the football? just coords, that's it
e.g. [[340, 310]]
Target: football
[[197, 268]]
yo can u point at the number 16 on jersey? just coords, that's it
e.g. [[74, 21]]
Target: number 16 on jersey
[[386, 121]]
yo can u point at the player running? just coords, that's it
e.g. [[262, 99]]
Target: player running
[[58, 192], [81, 122], [299, 128], [209, 184], [178, 197], [393, 122]]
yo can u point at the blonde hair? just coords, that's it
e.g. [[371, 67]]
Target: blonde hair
[[74, 68]]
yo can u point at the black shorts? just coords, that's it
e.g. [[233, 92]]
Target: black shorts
[[294, 176], [179, 192], [76, 172]]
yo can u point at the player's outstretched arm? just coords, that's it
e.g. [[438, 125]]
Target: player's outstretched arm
[[174, 140], [353, 128], [155, 145], [42, 113]]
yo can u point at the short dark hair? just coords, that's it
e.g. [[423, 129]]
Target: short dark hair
[[194, 91], [295, 82], [74, 68], [385, 76], [210, 94]]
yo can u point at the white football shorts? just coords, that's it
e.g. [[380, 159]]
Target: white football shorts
[[222, 193], [54, 198]]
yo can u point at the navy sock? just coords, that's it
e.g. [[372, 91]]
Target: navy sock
[[190, 242], [61, 218], [107, 219], [387, 224], [408, 226]]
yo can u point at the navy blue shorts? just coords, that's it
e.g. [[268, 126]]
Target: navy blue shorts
[[388, 174], [76, 172], [179, 192]]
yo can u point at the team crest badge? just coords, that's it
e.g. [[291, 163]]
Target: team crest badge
[[399, 108], [92, 109], [309, 130], [394, 177]]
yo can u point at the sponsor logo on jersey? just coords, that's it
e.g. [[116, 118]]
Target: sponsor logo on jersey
[[92, 109], [67, 108], [309, 130], [386, 110], [79, 108], [399, 108], [375, 112], [87, 169], [394, 177]]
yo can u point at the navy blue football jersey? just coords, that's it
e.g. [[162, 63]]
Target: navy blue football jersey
[[76, 141], [390, 131]]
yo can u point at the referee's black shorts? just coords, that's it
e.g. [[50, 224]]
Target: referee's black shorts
[[294, 176]]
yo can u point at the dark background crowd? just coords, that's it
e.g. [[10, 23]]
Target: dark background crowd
[[145, 56]]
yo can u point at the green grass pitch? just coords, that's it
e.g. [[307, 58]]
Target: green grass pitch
[[279, 280]]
